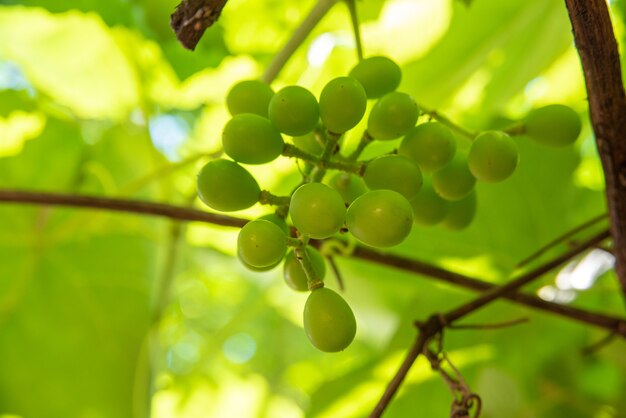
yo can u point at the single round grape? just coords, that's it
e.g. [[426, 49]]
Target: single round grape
[[348, 185], [251, 139], [249, 96], [394, 172], [226, 186], [555, 125], [294, 111], [329, 322], [428, 207], [430, 145], [493, 156], [392, 116], [309, 143], [294, 274], [277, 220], [461, 213], [380, 218], [317, 210], [261, 243], [256, 269], [454, 181], [378, 75], [342, 104]]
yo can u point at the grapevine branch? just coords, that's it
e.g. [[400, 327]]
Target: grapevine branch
[[609, 323], [437, 323], [316, 14], [597, 47]]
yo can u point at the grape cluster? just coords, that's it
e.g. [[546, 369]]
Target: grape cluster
[[429, 179]]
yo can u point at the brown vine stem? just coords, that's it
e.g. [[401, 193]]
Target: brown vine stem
[[436, 323], [541, 251], [433, 272], [120, 205], [606, 322], [597, 47]]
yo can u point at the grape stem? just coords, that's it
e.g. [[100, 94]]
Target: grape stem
[[302, 256], [267, 198], [316, 14], [329, 149], [295, 152], [366, 139], [433, 114]]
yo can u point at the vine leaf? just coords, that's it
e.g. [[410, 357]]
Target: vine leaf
[[466, 2], [192, 17]]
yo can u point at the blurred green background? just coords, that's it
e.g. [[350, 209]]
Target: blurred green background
[[108, 315]]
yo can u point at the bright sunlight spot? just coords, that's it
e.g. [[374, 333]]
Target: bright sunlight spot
[[581, 274], [168, 132]]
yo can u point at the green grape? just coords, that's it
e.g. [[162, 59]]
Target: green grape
[[392, 116], [380, 218], [251, 139], [461, 213], [294, 111], [348, 185], [492, 156], [277, 220], [454, 181], [428, 207], [317, 210], [329, 322], [394, 172], [430, 145], [378, 75], [261, 243], [249, 96], [226, 186], [256, 269], [294, 274], [309, 143], [342, 104], [554, 125]]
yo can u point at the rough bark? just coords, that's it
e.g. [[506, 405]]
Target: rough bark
[[597, 47]]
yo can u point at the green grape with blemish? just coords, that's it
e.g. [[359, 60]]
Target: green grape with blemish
[[226, 186], [342, 104], [261, 243]]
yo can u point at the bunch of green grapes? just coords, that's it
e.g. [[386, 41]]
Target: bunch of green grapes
[[428, 180]]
